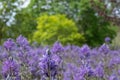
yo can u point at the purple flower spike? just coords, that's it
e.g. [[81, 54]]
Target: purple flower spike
[[85, 50], [104, 48], [22, 41], [107, 39], [99, 71], [57, 47], [9, 44], [10, 68], [113, 77], [48, 65]]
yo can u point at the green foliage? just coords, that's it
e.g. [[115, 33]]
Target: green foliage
[[25, 25], [57, 28], [8, 10], [71, 8], [94, 27]]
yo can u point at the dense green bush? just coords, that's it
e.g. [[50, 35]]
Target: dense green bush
[[94, 27], [57, 28]]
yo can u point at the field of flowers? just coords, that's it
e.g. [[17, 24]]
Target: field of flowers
[[21, 61]]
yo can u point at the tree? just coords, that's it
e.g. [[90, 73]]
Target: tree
[[109, 10], [95, 27], [8, 9], [57, 28], [25, 24], [25, 19], [84, 13]]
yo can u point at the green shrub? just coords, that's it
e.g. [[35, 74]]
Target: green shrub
[[57, 28], [94, 27]]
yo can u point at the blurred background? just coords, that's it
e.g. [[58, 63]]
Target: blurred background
[[67, 21]]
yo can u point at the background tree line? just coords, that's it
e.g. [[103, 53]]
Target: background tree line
[[95, 19]]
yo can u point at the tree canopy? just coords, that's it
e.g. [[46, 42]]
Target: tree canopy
[[88, 15], [57, 28]]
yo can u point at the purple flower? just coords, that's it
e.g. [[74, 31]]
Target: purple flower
[[107, 39], [85, 50], [63, 63], [114, 61], [67, 75], [9, 44], [57, 59], [57, 47], [48, 65], [119, 72], [10, 68], [90, 72], [104, 48], [77, 73], [99, 71], [113, 77], [22, 41], [4, 55]]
